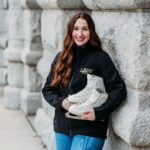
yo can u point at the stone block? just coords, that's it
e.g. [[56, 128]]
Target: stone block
[[3, 4], [1, 58], [12, 97], [15, 74], [30, 4], [62, 4], [32, 25], [32, 80], [13, 54], [15, 4], [45, 61], [43, 126], [3, 23], [16, 28], [3, 76], [33, 46], [48, 108], [121, 4], [1, 92], [52, 37], [31, 57], [125, 36], [114, 142], [131, 120], [3, 43], [30, 102]]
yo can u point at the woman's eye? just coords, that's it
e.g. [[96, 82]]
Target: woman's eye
[[75, 28], [85, 29]]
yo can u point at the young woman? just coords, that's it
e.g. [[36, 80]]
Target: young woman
[[81, 50]]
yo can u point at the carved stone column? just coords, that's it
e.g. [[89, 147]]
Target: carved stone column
[[31, 93], [3, 43], [13, 56]]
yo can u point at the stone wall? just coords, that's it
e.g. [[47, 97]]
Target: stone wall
[[34, 31]]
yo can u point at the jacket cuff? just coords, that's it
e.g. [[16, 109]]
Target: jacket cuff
[[99, 115]]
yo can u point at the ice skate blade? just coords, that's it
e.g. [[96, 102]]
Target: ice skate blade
[[73, 117]]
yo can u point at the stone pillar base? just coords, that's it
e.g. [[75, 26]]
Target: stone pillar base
[[12, 97], [30, 102], [44, 128]]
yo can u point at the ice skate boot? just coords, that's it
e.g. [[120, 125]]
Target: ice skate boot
[[93, 82], [96, 99]]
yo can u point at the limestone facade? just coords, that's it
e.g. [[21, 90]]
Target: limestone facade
[[32, 32]]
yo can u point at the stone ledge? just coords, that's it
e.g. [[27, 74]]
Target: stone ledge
[[31, 57], [13, 54], [30, 102], [121, 4], [62, 4]]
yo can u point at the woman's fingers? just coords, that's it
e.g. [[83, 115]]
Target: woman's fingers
[[88, 115]]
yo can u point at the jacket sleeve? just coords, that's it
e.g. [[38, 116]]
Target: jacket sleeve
[[50, 93], [115, 88]]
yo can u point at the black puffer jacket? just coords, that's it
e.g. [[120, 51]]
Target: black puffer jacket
[[101, 65]]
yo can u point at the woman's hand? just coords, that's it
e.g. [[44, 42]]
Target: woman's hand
[[88, 115], [66, 104]]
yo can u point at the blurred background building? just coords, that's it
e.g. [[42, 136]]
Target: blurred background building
[[31, 33]]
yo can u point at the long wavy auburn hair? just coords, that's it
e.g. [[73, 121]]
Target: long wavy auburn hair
[[63, 67]]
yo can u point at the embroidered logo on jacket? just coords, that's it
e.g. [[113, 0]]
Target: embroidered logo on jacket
[[86, 70]]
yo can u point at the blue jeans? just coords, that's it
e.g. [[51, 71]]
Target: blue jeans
[[78, 142]]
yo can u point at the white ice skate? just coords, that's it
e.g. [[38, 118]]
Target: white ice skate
[[93, 82], [96, 99]]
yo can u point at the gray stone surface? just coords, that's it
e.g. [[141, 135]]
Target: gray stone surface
[[15, 74], [132, 119], [13, 54], [44, 128], [32, 25], [3, 4], [30, 102], [30, 4], [48, 108], [1, 91], [16, 28], [62, 4], [45, 61], [52, 37], [114, 142], [14, 4], [1, 58], [3, 42], [33, 46], [12, 97], [31, 57], [3, 76], [119, 4], [32, 80], [126, 36], [3, 24]]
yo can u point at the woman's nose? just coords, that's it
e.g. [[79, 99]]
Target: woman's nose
[[80, 33]]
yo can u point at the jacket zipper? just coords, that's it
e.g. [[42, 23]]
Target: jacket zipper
[[70, 130]]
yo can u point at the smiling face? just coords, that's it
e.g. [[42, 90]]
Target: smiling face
[[81, 32]]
